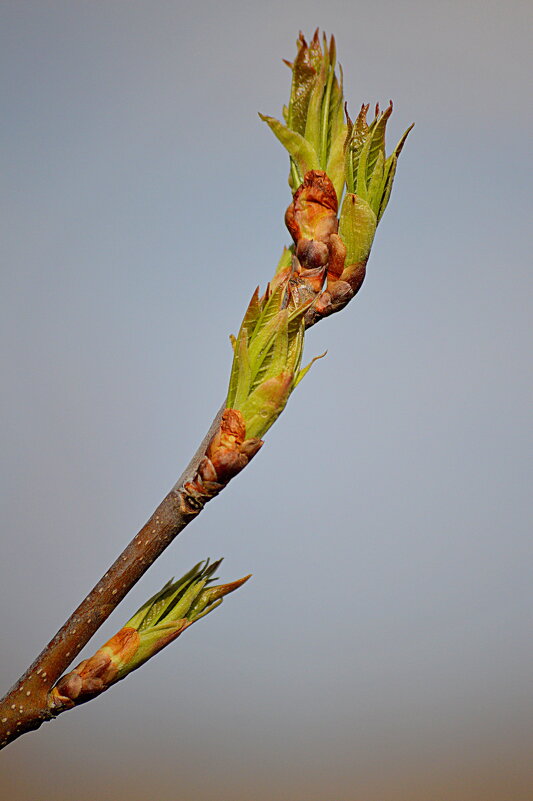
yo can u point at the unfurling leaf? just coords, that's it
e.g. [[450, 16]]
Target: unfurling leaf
[[300, 150], [314, 130], [357, 227], [266, 362], [156, 624]]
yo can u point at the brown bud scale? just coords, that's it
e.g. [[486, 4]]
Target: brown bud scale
[[226, 455]]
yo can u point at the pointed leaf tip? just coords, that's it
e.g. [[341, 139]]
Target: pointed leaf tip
[[303, 372]]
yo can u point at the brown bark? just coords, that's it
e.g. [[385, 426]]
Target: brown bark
[[26, 705]]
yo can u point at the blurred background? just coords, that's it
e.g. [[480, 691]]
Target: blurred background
[[383, 649]]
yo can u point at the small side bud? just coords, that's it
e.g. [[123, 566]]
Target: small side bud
[[154, 626], [268, 352]]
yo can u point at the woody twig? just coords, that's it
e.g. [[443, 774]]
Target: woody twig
[[334, 163]]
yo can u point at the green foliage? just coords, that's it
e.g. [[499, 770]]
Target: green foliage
[[314, 131], [266, 361]]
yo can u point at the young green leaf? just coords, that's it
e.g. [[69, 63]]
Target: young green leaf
[[244, 377], [302, 152], [377, 141], [357, 227]]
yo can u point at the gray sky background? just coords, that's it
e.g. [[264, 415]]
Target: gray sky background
[[383, 649]]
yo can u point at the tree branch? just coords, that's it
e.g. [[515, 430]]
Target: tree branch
[[26, 705], [316, 277]]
